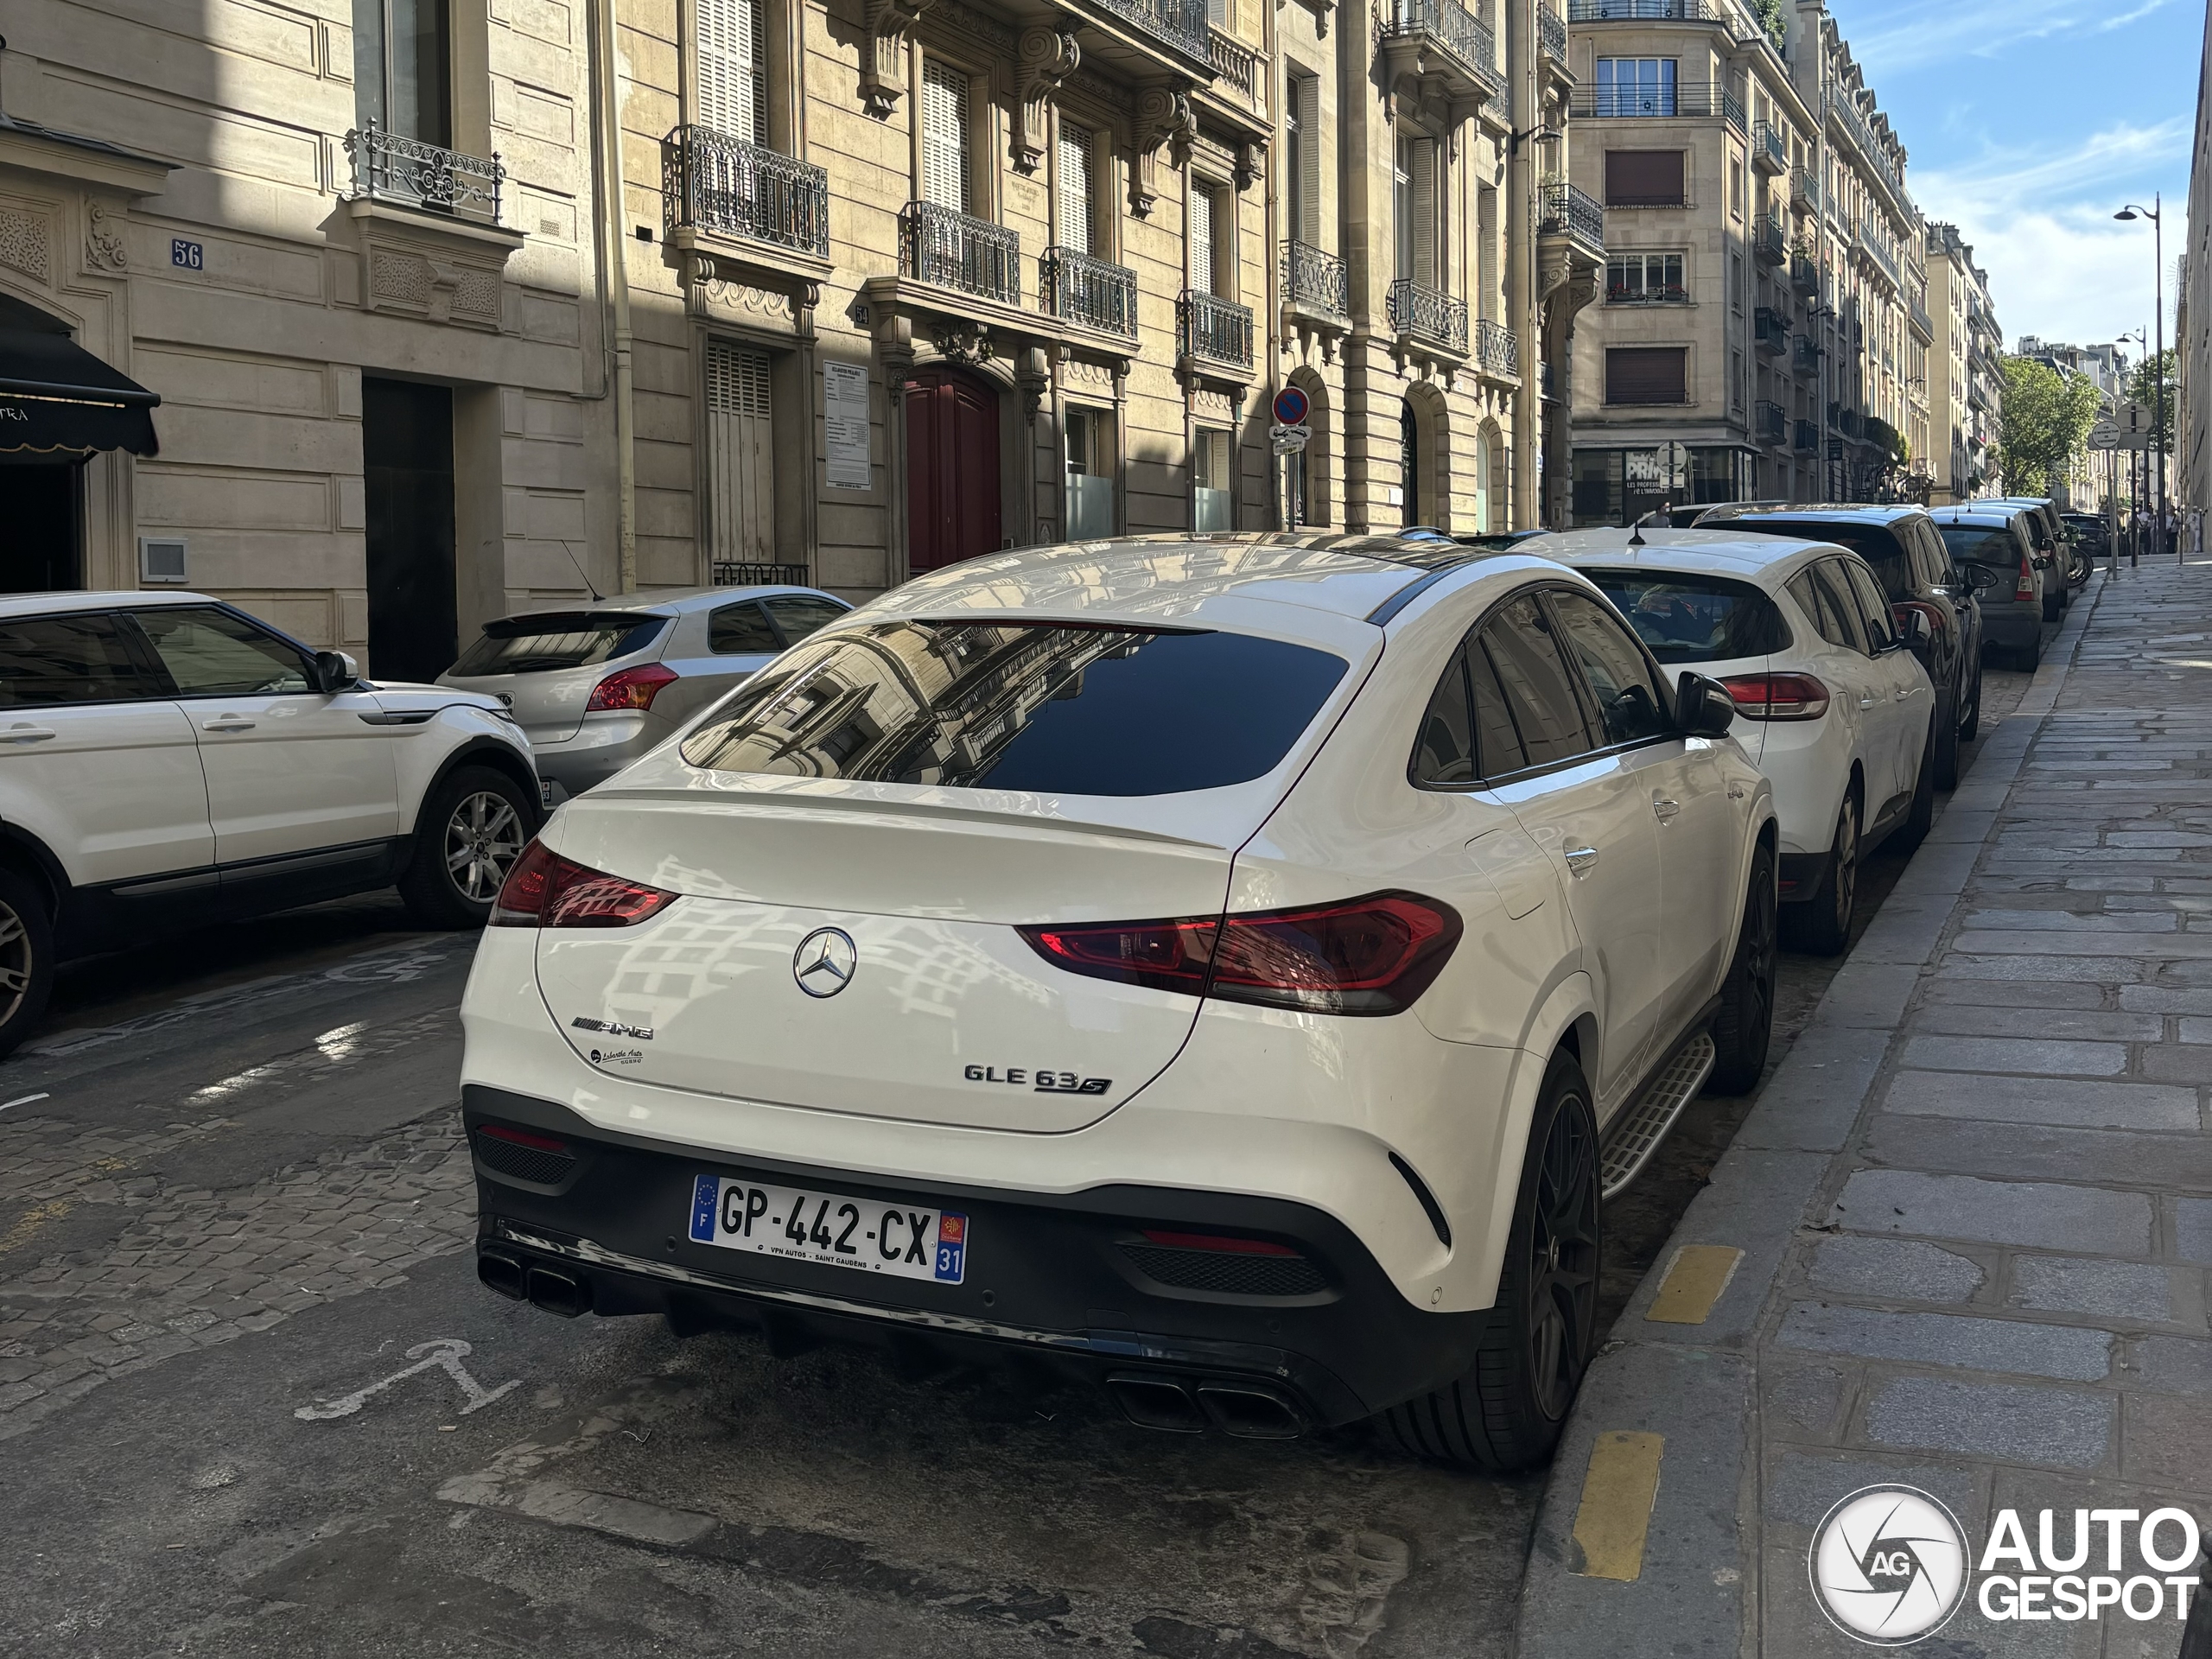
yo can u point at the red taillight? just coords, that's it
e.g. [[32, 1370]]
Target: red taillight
[[633, 688], [546, 890], [1777, 696], [522, 1138], [1375, 955], [1216, 1242], [2026, 588]]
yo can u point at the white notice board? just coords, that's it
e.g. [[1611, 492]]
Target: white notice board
[[845, 427]]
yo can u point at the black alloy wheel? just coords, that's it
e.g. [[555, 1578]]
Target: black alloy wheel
[[1562, 1272], [1822, 926], [26, 958], [1744, 1026]]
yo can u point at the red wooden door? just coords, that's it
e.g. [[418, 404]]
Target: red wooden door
[[952, 469]]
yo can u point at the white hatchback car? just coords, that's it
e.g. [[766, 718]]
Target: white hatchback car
[[1232, 966], [1838, 711], [166, 759]]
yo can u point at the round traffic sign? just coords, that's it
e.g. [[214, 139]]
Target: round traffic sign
[[1292, 406]]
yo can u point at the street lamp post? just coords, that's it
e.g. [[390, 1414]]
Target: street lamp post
[[2130, 212]]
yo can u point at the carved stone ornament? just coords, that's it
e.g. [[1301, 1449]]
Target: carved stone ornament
[[104, 248], [1163, 118], [23, 245], [963, 342], [1251, 154], [1049, 56], [883, 54], [442, 290]]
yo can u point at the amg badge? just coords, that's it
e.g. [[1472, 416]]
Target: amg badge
[[613, 1028], [1044, 1083]]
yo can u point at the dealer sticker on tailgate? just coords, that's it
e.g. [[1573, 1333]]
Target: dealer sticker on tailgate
[[906, 1241]]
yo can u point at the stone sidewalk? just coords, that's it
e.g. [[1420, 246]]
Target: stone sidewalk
[[1961, 1242]]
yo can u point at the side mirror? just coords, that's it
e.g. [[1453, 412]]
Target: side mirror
[[1702, 706], [334, 672]]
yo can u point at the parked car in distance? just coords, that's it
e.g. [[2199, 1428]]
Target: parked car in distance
[[2092, 536], [1457, 898], [597, 686], [1831, 704], [1906, 554], [1995, 544], [2054, 548], [168, 760]]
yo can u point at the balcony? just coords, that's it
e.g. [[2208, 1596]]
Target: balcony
[[947, 248], [1315, 284], [1769, 246], [1770, 332], [728, 201], [1090, 293], [1844, 113], [1650, 293], [1769, 154], [1573, 213], [734, 573], [1923, 324], [1496, 349], [1873, 241], [1804, 190], [1805, 438], [1805, 354], [1180, 25], [1695, 98], [1441, 43], [1551, 32], [1768, 424], [1428, 315], [407, 173], [1237, 76], [1214, 332], [1805, 271], [1642, 11]]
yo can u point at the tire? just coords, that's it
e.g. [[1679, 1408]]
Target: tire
[[1822, 926], [2031, 654], [26, 963], [1970, 722], [474, 827], [1507, 1412], [1920, 818], [1745, 1024], [1947, 749]]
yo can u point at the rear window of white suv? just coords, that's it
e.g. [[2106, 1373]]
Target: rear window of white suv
[[1056, 708]]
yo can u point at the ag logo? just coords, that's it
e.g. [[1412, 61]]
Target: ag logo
[[1889, 1565], [824, 961]]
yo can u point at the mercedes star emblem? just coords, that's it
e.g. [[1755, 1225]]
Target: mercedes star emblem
[[824, 961]]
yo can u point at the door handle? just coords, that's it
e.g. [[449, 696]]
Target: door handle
[[1665, 810], [227, 723], [1581, 860], [22, 733]]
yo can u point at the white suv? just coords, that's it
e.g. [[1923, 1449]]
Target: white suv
[[1231, 967], [166, 760]]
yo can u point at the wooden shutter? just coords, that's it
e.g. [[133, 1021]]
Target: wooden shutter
[[1643, 178], [1075, 163], [732, 67], [1307, 92], [944, 136], [1647, 374], [740, 455], [1202, 265], [1424, 209]]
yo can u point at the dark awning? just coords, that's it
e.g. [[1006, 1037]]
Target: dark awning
[[57, 399]]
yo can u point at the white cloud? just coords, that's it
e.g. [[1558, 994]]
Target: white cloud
[[1916, 36]]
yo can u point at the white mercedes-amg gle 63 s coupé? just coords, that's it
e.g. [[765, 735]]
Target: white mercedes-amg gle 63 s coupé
[[1232, 968]]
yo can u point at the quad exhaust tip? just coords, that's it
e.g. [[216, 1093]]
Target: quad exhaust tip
[[502, 1273], [1249, 1411], [546, 1287]]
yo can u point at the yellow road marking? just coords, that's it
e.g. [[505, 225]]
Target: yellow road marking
[[1618, 1493], [1695, 1280], [28, 1223]]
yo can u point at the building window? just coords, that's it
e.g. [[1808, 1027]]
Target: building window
[[1736, 282], [1213, 239], [1736, 393], [1645, 279], [1413, 203], [1212, 485], [1645, 178], [945, 171], [402, 68], [731, 64], [1736, 188], [1647, 374], [1635, 86], [741, 456], [1302, 159], [1090, 474], [1077, 187]]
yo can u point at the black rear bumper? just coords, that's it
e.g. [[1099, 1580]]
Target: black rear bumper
[[1067, 1284]]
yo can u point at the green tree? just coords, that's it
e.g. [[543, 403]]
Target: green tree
[[2143, 388], [2044, 424], [1769, 16]]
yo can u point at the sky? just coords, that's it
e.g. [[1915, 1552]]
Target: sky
[[2028, 124]]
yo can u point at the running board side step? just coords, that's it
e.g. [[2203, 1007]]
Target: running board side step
[[1644, 1124]]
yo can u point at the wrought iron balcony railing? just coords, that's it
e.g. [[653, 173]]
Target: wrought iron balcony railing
[[1805, 354], [1768, 241], [1768, 148], [1874, 241], [1770, 331], [730, 573], [1843, 112], [1804, 271], [1179, 24], [1804, 188], [1458, 31], [1650, 293], [1315, 281], [1077, 288], [1640, 12], [1769, 422], [939, 246], [389, 167], [1213, 330], [725, 186], [1551, 30], [1684, 97], [1428, 314], [1496, 347], [1569, 212], [1806, 439]]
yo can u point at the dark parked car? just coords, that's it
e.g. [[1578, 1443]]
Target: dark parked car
[[1993, 543], [1908, 555], [2054, 549], [2092, 534]]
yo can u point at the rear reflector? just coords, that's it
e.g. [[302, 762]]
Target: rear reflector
[[1216, 1242], [1777, 696], [522, 1138], [1375, 955], [632, 687], [546, 890]]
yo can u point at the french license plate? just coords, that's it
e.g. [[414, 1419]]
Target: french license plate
[[903, 1240]]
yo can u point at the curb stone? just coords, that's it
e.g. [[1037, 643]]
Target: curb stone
[[1698, 1386]]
